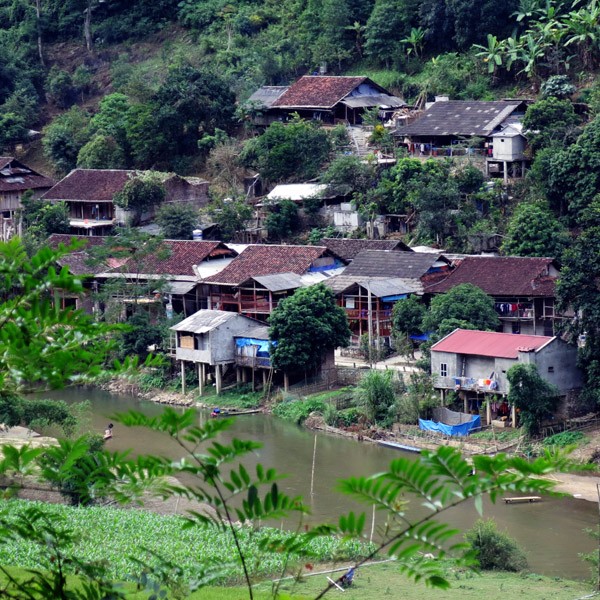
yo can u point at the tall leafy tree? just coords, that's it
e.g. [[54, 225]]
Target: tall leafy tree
[[535, 398], [465, 302], [577, 290], [65, 137], [533, 230], [177, 221], [551, 122], [305, 326], [297, 150]]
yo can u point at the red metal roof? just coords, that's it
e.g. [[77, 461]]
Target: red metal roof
[[260, 259], [489, 343], [502, 276], [317, 91]]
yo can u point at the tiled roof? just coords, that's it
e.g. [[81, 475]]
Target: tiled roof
[[397, 264], [183, 256], [490, 343], [90, 185], [78, 261], [317, 91], [502, 276], [458, 117], [259, 259], [347, 248], [17, 177]]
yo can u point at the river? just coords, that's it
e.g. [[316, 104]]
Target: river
[[550, 531]]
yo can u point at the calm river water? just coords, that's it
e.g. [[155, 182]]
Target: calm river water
[[550, 531]]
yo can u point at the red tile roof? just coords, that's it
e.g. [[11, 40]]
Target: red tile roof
[[489, 343], [502, 276], [317, 91], [184, 254], [17, 177], [90, 185], [259, 259]]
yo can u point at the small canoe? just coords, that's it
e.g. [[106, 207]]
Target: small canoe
[[398, 446], [234, 412], [519, 499]]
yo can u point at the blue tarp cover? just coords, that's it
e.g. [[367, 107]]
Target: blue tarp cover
[[462, 429], [263, 345]]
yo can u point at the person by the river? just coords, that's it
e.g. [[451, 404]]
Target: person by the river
[[108, 432]]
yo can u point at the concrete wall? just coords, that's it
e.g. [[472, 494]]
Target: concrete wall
[[219, 345], [557, 364], [508, 148]]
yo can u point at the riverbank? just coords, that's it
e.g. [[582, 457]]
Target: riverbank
[[581, 486]]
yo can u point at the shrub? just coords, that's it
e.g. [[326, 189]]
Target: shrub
[[495, 550], [349, 416], [375, 396], [566, 438], [297, 411]]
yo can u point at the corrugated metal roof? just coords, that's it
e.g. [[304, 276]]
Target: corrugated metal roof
[[297, 191], [266, 95], [395, 264], [258, 333], [374, 100], [457, 117], [179, 288], [490, 343], [279, 281], [379, 286], [206, 320]]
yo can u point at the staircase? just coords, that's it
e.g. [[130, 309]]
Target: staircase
[[359, 138]]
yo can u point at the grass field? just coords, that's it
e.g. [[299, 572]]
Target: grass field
[[385, 582]]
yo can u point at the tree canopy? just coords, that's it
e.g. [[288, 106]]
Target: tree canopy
[[465, 302], [305, 326], [533, 230], [296, 150]]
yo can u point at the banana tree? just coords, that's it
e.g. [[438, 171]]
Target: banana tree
[[492, 54], [415, 41], [583, 30]]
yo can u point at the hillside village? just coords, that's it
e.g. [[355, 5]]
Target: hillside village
[[367, 264], [378, 219]]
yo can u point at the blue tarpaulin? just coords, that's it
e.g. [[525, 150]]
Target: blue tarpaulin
[[263, 345], [461, 429]]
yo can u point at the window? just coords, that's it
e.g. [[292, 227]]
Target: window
[[550, 369], [443, 369]]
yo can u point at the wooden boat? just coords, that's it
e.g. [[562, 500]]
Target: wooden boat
[[397, 446], [522, 499], [234, 412]]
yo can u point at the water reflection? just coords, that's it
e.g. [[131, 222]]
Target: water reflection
[[550, 531]]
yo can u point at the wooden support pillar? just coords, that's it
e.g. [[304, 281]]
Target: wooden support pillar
[[465, 404], [218, 378], [244, 375], [264, 377], [505, 171], [513, 415], [286, 382], [183, 377], [442, 397], [238, 374], [200, 378], [488, 410]]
